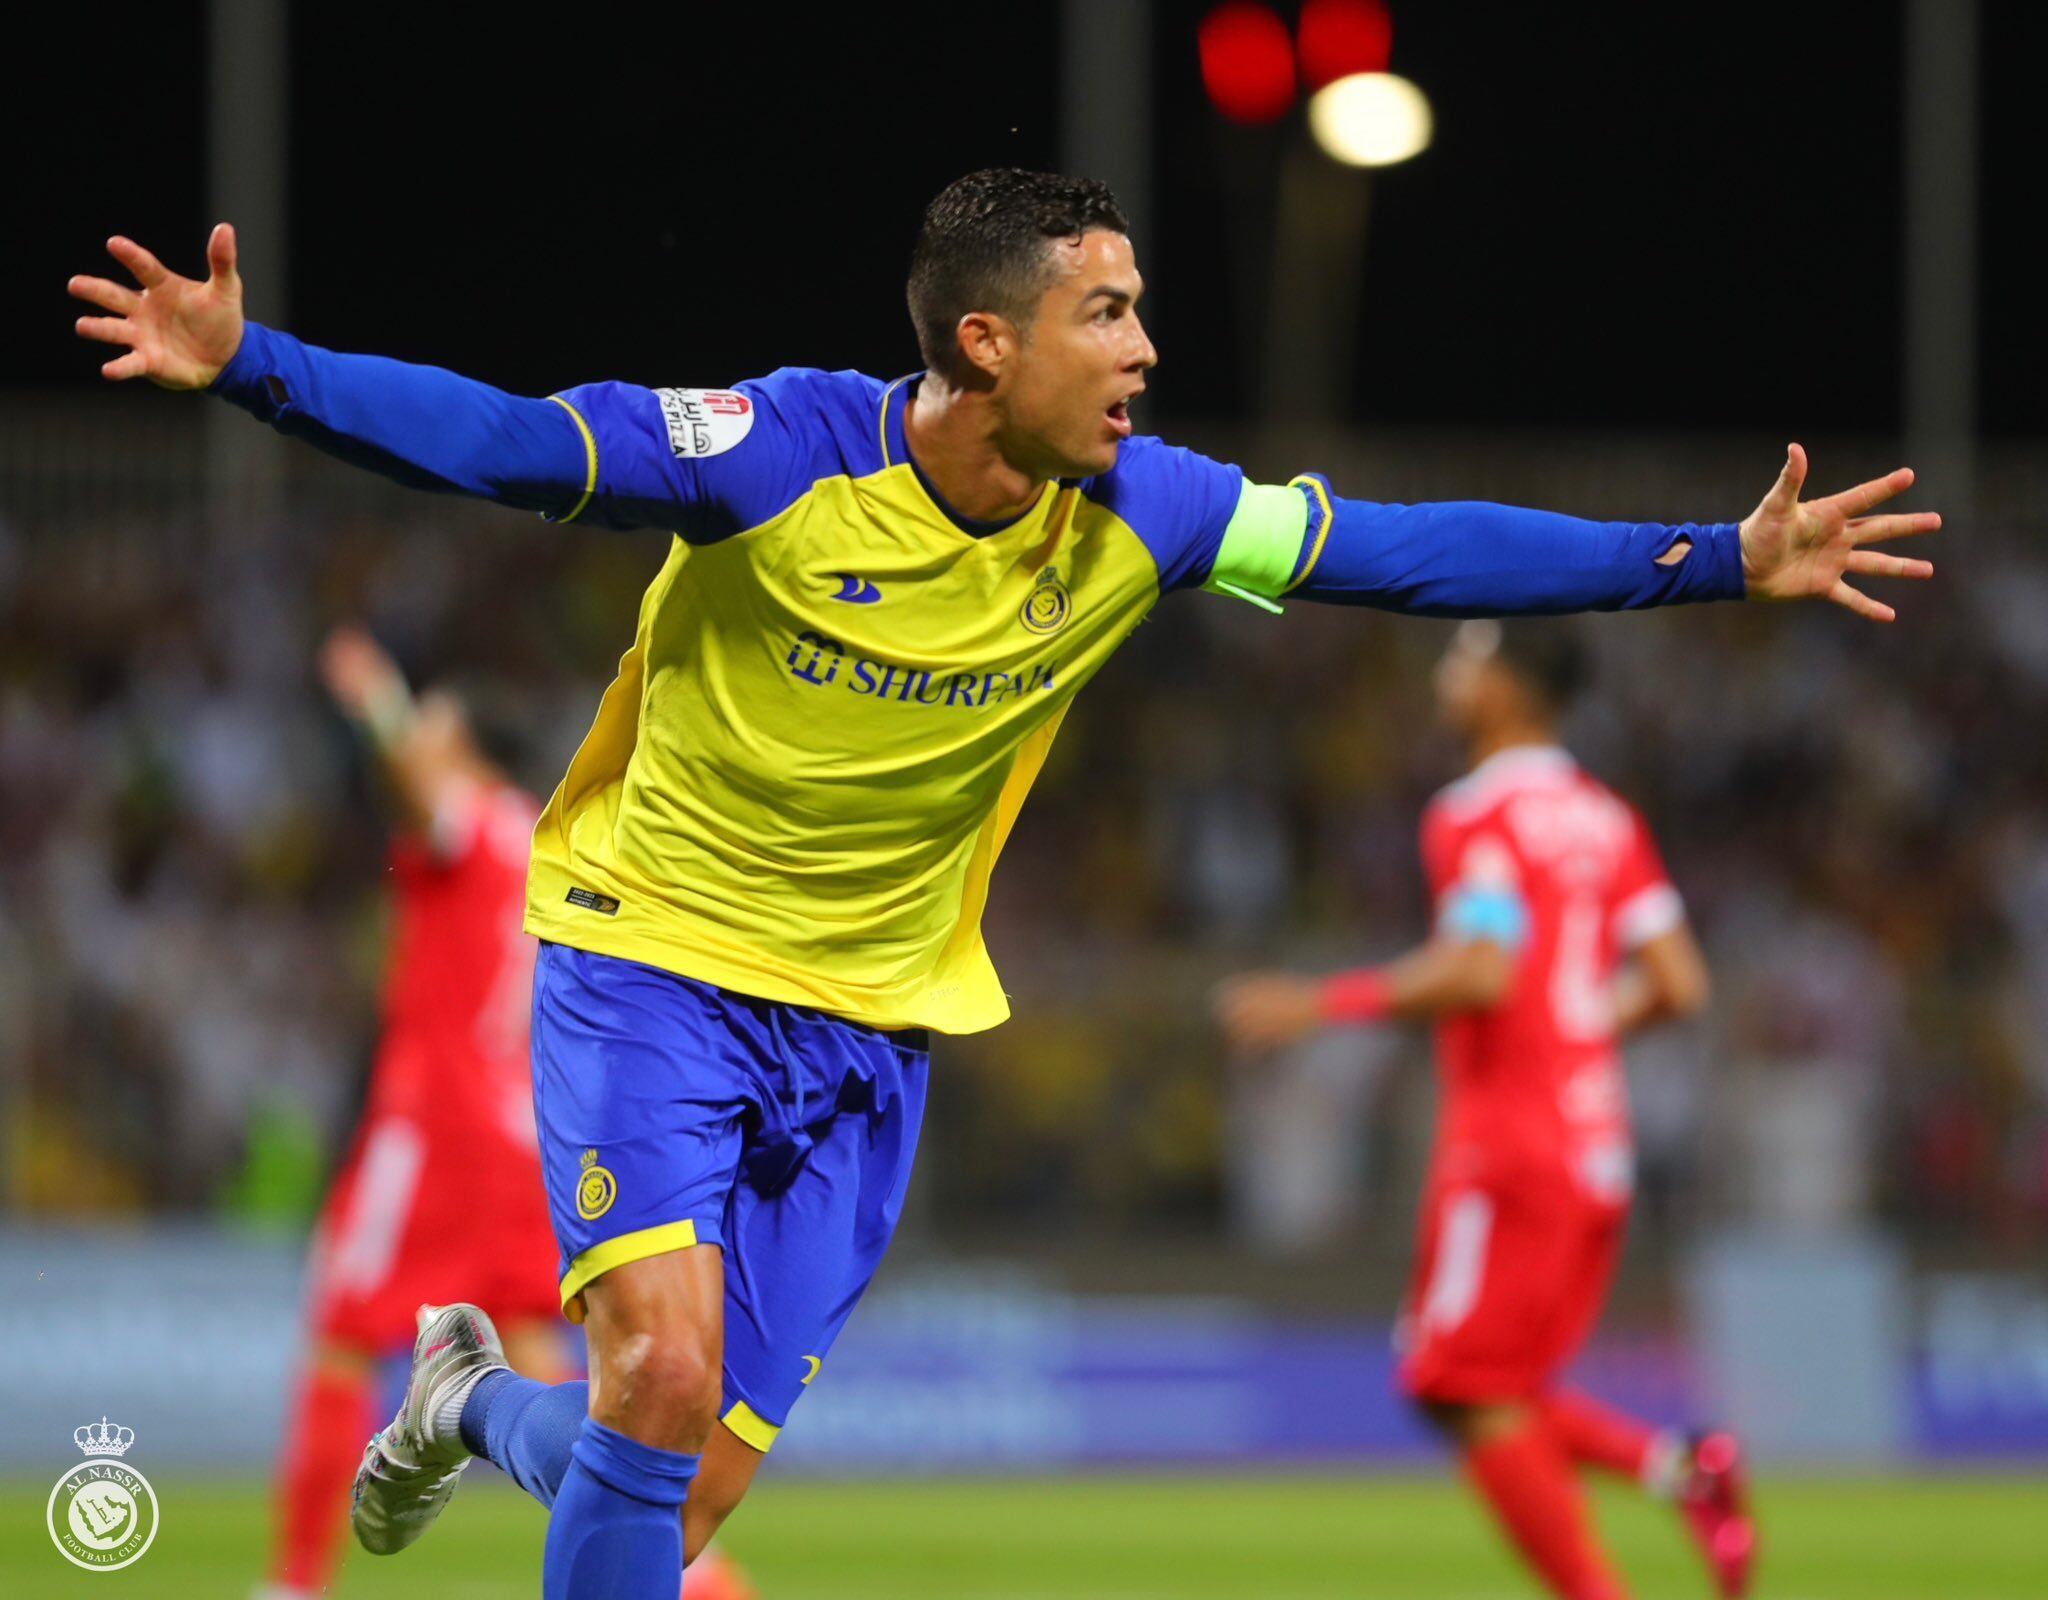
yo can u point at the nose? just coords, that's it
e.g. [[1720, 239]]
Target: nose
[[1145, 356]]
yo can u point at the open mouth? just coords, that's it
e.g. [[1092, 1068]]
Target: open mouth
[[1120, 418]]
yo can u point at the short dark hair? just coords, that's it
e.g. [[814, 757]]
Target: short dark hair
[[499, 719], [1548, 654], [983, 247]]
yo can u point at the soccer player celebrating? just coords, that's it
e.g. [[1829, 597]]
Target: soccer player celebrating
[[1556, 932], [759, 887], [441, 1196]]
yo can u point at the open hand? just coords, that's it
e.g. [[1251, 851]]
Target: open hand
[[179, 332], [1797, 551], [358, 672], [1265, 1010]]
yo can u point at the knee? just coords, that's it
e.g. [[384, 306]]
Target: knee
[[661, 1385]]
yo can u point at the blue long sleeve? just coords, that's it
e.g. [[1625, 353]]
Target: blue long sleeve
[[423, 426], [1472, 559]]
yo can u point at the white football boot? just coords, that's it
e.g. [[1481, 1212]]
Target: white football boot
[[411, 1467]]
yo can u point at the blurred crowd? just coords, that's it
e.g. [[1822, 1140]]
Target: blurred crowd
[[191, 883]]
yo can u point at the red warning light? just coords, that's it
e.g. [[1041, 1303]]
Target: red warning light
[[1247, 62], [1340, 37]]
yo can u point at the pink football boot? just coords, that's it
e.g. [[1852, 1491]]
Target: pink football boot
[[1715, 1504]]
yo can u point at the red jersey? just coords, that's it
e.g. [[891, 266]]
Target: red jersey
[[1529, 851], [441, 1198], [458, 990]]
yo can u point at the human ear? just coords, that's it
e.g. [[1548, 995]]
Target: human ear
[[986, 342]]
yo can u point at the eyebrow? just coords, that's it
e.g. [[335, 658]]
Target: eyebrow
[[1111, 290]]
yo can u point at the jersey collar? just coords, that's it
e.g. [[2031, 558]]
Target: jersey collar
[[896, 453], [1523, 760], [1519, 763]]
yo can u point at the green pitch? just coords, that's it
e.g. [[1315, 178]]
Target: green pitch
[[1106, 1539]]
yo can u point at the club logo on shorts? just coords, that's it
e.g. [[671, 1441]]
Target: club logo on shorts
[[102, 1514], [595, 1190], [1047, 607]]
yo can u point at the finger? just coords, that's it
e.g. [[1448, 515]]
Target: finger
[[133, 365], [1854, 502], [1784, 493], [105, 294], [1857, 601], [1875, 530], [149, 272], [1872, 565], [107, 330], [220, 251]]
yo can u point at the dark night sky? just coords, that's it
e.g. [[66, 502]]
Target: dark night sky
[[1620, 224]]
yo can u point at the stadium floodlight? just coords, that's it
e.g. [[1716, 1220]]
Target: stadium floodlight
[[1371, 119], [1247, 62], [1339, 37]]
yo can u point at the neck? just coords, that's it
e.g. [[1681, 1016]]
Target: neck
[[1509, 736], [954, 435]]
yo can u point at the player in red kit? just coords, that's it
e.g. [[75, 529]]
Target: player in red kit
[[440, 1198], [1556, 933]]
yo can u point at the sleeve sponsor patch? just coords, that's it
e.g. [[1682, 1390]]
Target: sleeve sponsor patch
[[704, 422]]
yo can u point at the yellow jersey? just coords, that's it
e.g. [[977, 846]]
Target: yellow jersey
[[839, 691]]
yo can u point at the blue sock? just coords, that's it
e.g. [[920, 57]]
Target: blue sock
[[526, 1429], [616, 1532]]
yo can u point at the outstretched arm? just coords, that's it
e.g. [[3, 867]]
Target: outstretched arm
[[1469, 558], [425, 427], [1265, 1010], [426, 757]]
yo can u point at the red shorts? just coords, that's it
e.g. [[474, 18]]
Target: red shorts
[[417, 1218], [1509, 1279]]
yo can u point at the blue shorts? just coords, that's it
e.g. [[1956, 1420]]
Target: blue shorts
[[674, 1113]]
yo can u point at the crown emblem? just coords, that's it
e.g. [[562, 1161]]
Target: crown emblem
[[103, 1438], [590, 1158]]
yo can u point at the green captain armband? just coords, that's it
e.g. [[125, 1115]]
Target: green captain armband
[[1261, 546]]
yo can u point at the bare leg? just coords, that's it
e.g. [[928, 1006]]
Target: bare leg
[[722, 1482], [656, 1330], [657, 1335]]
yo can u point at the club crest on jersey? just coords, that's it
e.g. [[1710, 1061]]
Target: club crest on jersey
[[595, 1190], [1047, 607], [704, 422]]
